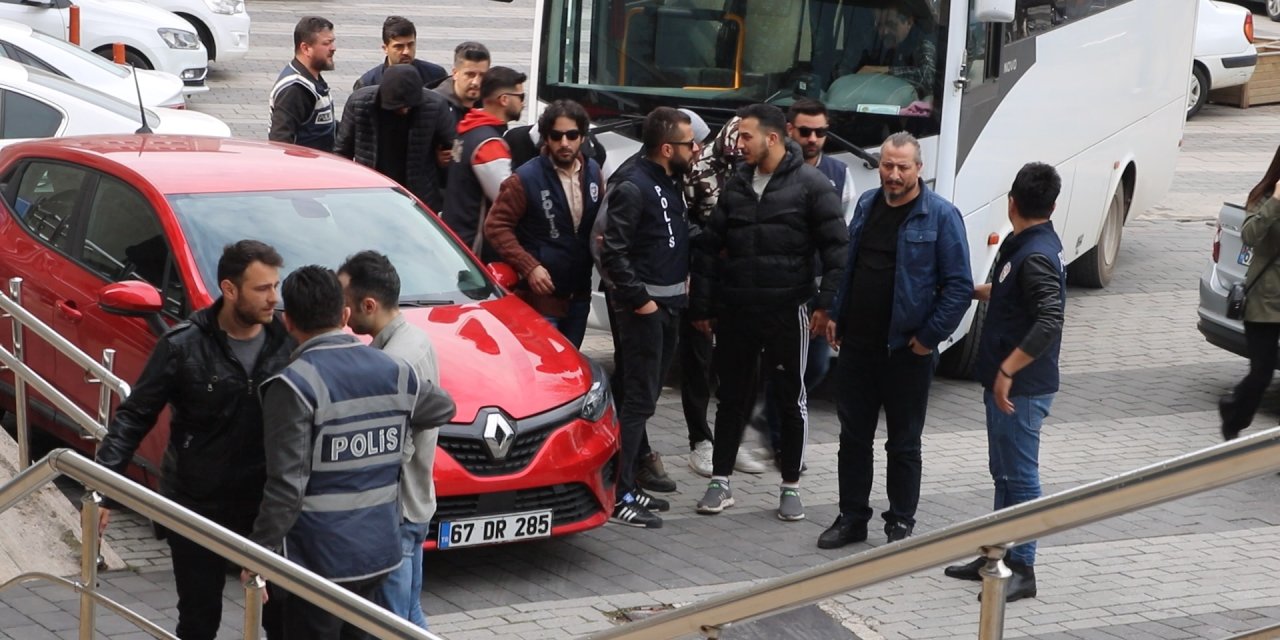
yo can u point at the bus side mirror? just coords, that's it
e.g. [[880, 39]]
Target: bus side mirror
[[993, 10]]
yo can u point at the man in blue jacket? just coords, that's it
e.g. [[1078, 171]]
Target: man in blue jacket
[[906, 286], [400, 43]]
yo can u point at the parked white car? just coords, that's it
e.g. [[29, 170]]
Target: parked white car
[[1224, 51], [153, 38], [39, 104], [223, 25], [20, 43]]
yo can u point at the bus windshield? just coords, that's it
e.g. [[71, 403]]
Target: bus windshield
[[877, 64]]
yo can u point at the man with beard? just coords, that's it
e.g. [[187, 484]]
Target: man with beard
[[207, 370], [646, 261], [400, 43], [301, 109], [906, 286], [481, 158], [776, 221], [462, 90], [541, 221]]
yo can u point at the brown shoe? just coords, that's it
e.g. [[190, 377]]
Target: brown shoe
[[651, 474]]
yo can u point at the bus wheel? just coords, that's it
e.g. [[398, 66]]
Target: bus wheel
[[959, 361], [1094, 268]]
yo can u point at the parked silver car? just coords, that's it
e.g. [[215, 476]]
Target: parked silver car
[[1231, 258]]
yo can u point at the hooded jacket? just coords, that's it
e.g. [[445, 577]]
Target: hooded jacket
[[481, 161]]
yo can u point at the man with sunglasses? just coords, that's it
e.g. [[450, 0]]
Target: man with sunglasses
[[541, 221], [481, 159]]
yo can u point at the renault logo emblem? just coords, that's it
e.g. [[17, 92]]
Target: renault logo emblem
[[498, 435]]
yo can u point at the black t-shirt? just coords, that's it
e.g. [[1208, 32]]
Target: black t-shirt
[[393, 145], [868, 306]]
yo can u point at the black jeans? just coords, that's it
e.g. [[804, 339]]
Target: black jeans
[[200, 575], [1261, 340], [697, 376], [746, 340], [868, 379], [647, 344], [306, 621]]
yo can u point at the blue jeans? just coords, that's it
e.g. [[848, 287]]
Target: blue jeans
[[401, 592], [1013, 447], [574, 324]]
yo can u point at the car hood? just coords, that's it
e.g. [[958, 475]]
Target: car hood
[[159, 89], [501, 353], [191, 123]]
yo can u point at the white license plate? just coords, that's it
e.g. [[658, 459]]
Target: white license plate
[[1246, 256], [494, 529]]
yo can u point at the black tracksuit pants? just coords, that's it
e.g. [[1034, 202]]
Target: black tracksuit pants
[[647, 343], [748, 338]]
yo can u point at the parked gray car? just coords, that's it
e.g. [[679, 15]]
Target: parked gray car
[[1231, 259]]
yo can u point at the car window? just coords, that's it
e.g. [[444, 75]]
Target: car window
[[46, 199], [123, 240], [19, 54], [72, 50], [91, 95], [24, 117]]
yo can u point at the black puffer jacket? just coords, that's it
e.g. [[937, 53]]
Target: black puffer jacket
[[760, 251], [432, 128], [215, 453]]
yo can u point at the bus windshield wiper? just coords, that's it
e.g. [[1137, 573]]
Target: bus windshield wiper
[[869, 160]]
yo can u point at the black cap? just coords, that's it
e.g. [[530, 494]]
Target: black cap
[[401, 86]]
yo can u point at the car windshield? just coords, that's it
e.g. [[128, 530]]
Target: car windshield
[[877, 64], [83, 54], [92, 96], [324, 226]]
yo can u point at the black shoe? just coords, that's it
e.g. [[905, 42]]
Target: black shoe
[[649, 502], [652, 475], [843, 531], [966, 571], [896, 531], [1229, 431], [634, 515], [1022, 584]]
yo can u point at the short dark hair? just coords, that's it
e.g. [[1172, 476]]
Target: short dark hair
[[562, 109], [313, 298], [771, 118], [237, 257], [308, 29], [470, 51], [500, 80], [661, 126], [371, 275], [397, 27], [1035, 189], [805, 107]]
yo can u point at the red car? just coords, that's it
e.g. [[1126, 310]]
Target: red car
[[118, 237]]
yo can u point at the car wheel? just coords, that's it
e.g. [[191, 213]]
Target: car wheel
[[130, 57], [1198, 91], [1094, 268], [1273, 10]]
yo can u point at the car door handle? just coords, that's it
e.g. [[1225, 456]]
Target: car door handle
[[69, 311]]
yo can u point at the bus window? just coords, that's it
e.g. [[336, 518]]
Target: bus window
[[1033, 17]]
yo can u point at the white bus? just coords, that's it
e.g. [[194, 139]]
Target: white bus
[[1097, 88]]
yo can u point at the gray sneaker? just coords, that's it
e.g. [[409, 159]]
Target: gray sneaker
[[790, 508], [717, 498]]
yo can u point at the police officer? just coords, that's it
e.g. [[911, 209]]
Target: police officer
[[331, 500], [301, 109]]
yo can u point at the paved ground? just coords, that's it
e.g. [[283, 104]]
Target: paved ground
[[1139, 386]]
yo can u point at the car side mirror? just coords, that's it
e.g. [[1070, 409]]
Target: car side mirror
[[503, 274], [130, 298], [993, 11]]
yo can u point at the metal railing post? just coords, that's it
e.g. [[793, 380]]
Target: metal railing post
[[995, 578], [104, 391], [253, 590], [19, 383], [88, 562]]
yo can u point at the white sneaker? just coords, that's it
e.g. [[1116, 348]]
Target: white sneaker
[[749, 461], [700, 458]]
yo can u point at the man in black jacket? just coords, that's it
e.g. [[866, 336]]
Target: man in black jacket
[[207, 370], [646, 260], [753, 277], [400, 43], [397, 127], [301, 109]]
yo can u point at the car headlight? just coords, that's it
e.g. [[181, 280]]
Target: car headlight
[[598, 398], [228, 7], [179, 39]]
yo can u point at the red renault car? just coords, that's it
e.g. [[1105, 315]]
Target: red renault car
[[118, 237]]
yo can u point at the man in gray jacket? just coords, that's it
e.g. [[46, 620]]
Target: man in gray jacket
[[372, 289]]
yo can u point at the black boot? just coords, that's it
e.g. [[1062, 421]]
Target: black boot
[[966, 571], [1022, 584]]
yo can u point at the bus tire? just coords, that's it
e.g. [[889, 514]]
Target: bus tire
[[1198, 92], [1094, 268], [961, 359]]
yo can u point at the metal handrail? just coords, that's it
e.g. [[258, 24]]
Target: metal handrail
[[299, 582], [124, 612], [1187, 475]]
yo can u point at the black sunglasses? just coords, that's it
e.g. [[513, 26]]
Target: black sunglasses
[[805, 132], [557, 136], [684, 143], [518, 95]]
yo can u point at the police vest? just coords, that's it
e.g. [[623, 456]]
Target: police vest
[[348, 528], [659, 250], [835, 171], [464, 201], [317, 132], [1008, 320], [546, 230]]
